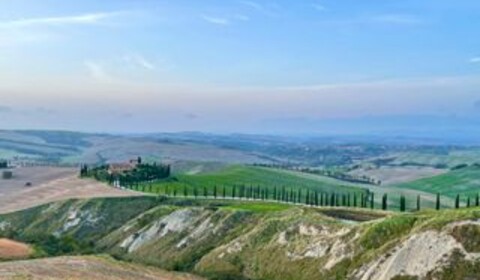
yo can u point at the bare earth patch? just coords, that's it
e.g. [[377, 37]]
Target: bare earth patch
[[400, 174], [76, 268], [50, 184], [10, 249]]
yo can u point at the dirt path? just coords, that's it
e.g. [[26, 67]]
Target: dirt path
[[76, 268], [54, 184]]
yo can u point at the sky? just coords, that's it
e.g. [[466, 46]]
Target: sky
[[271, 66]]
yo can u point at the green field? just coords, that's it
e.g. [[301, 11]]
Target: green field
[[257, 207], [249, 177], [447, 158], [465, 182]]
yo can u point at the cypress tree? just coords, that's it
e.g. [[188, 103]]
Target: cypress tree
[[385, 202], [457, 201], [437, 204], [317, 201], [362, 203], [224, 192], [234, 191], [402, 203], [348, 200], [321, 200], [307, 198], [468, 202], [332, 199], [477, 200], [418, 203], [205, 192], [195, 192], [215, 191], [292, 195], [299, 196], [175, 192], [354, 199], [372, 201], [185, 192], [275, 193]]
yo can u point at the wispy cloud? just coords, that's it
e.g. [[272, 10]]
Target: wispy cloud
[[216, 20], [84, 19], [241, 17], [271, 9], [319, 7], [97, 71], [139, 60], [253, 5], [398, 19], [474, 59]]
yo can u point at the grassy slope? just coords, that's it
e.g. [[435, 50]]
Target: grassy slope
[[450, 159], [241, 239], [464, 181], [252, 176]]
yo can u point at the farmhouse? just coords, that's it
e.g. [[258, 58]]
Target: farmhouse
[[118, 168]]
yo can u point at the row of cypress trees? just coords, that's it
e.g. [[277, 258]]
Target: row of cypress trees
[[296, 196]]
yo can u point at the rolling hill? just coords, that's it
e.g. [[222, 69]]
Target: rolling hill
[[464, 181], [252, 240], [251, 176]]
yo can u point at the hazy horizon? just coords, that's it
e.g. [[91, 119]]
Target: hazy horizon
[[309, 67]]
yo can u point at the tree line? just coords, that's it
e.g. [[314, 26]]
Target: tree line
[[141, 173], [300, 196]]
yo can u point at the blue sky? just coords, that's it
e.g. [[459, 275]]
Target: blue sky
[[234, 65]]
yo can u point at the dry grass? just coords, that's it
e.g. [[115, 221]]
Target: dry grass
[[76, 268], [48, 185], [10, 249], [400, 174]]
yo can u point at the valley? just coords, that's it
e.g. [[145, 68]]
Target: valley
[[222, 213]]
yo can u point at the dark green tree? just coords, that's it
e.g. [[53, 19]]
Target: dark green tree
[[418, 203], [437, 204], [402, 203], [457, 201], [384, 202]]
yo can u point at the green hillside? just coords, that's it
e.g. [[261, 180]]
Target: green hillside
[[249, 177], [465, 181], [252, 240]]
